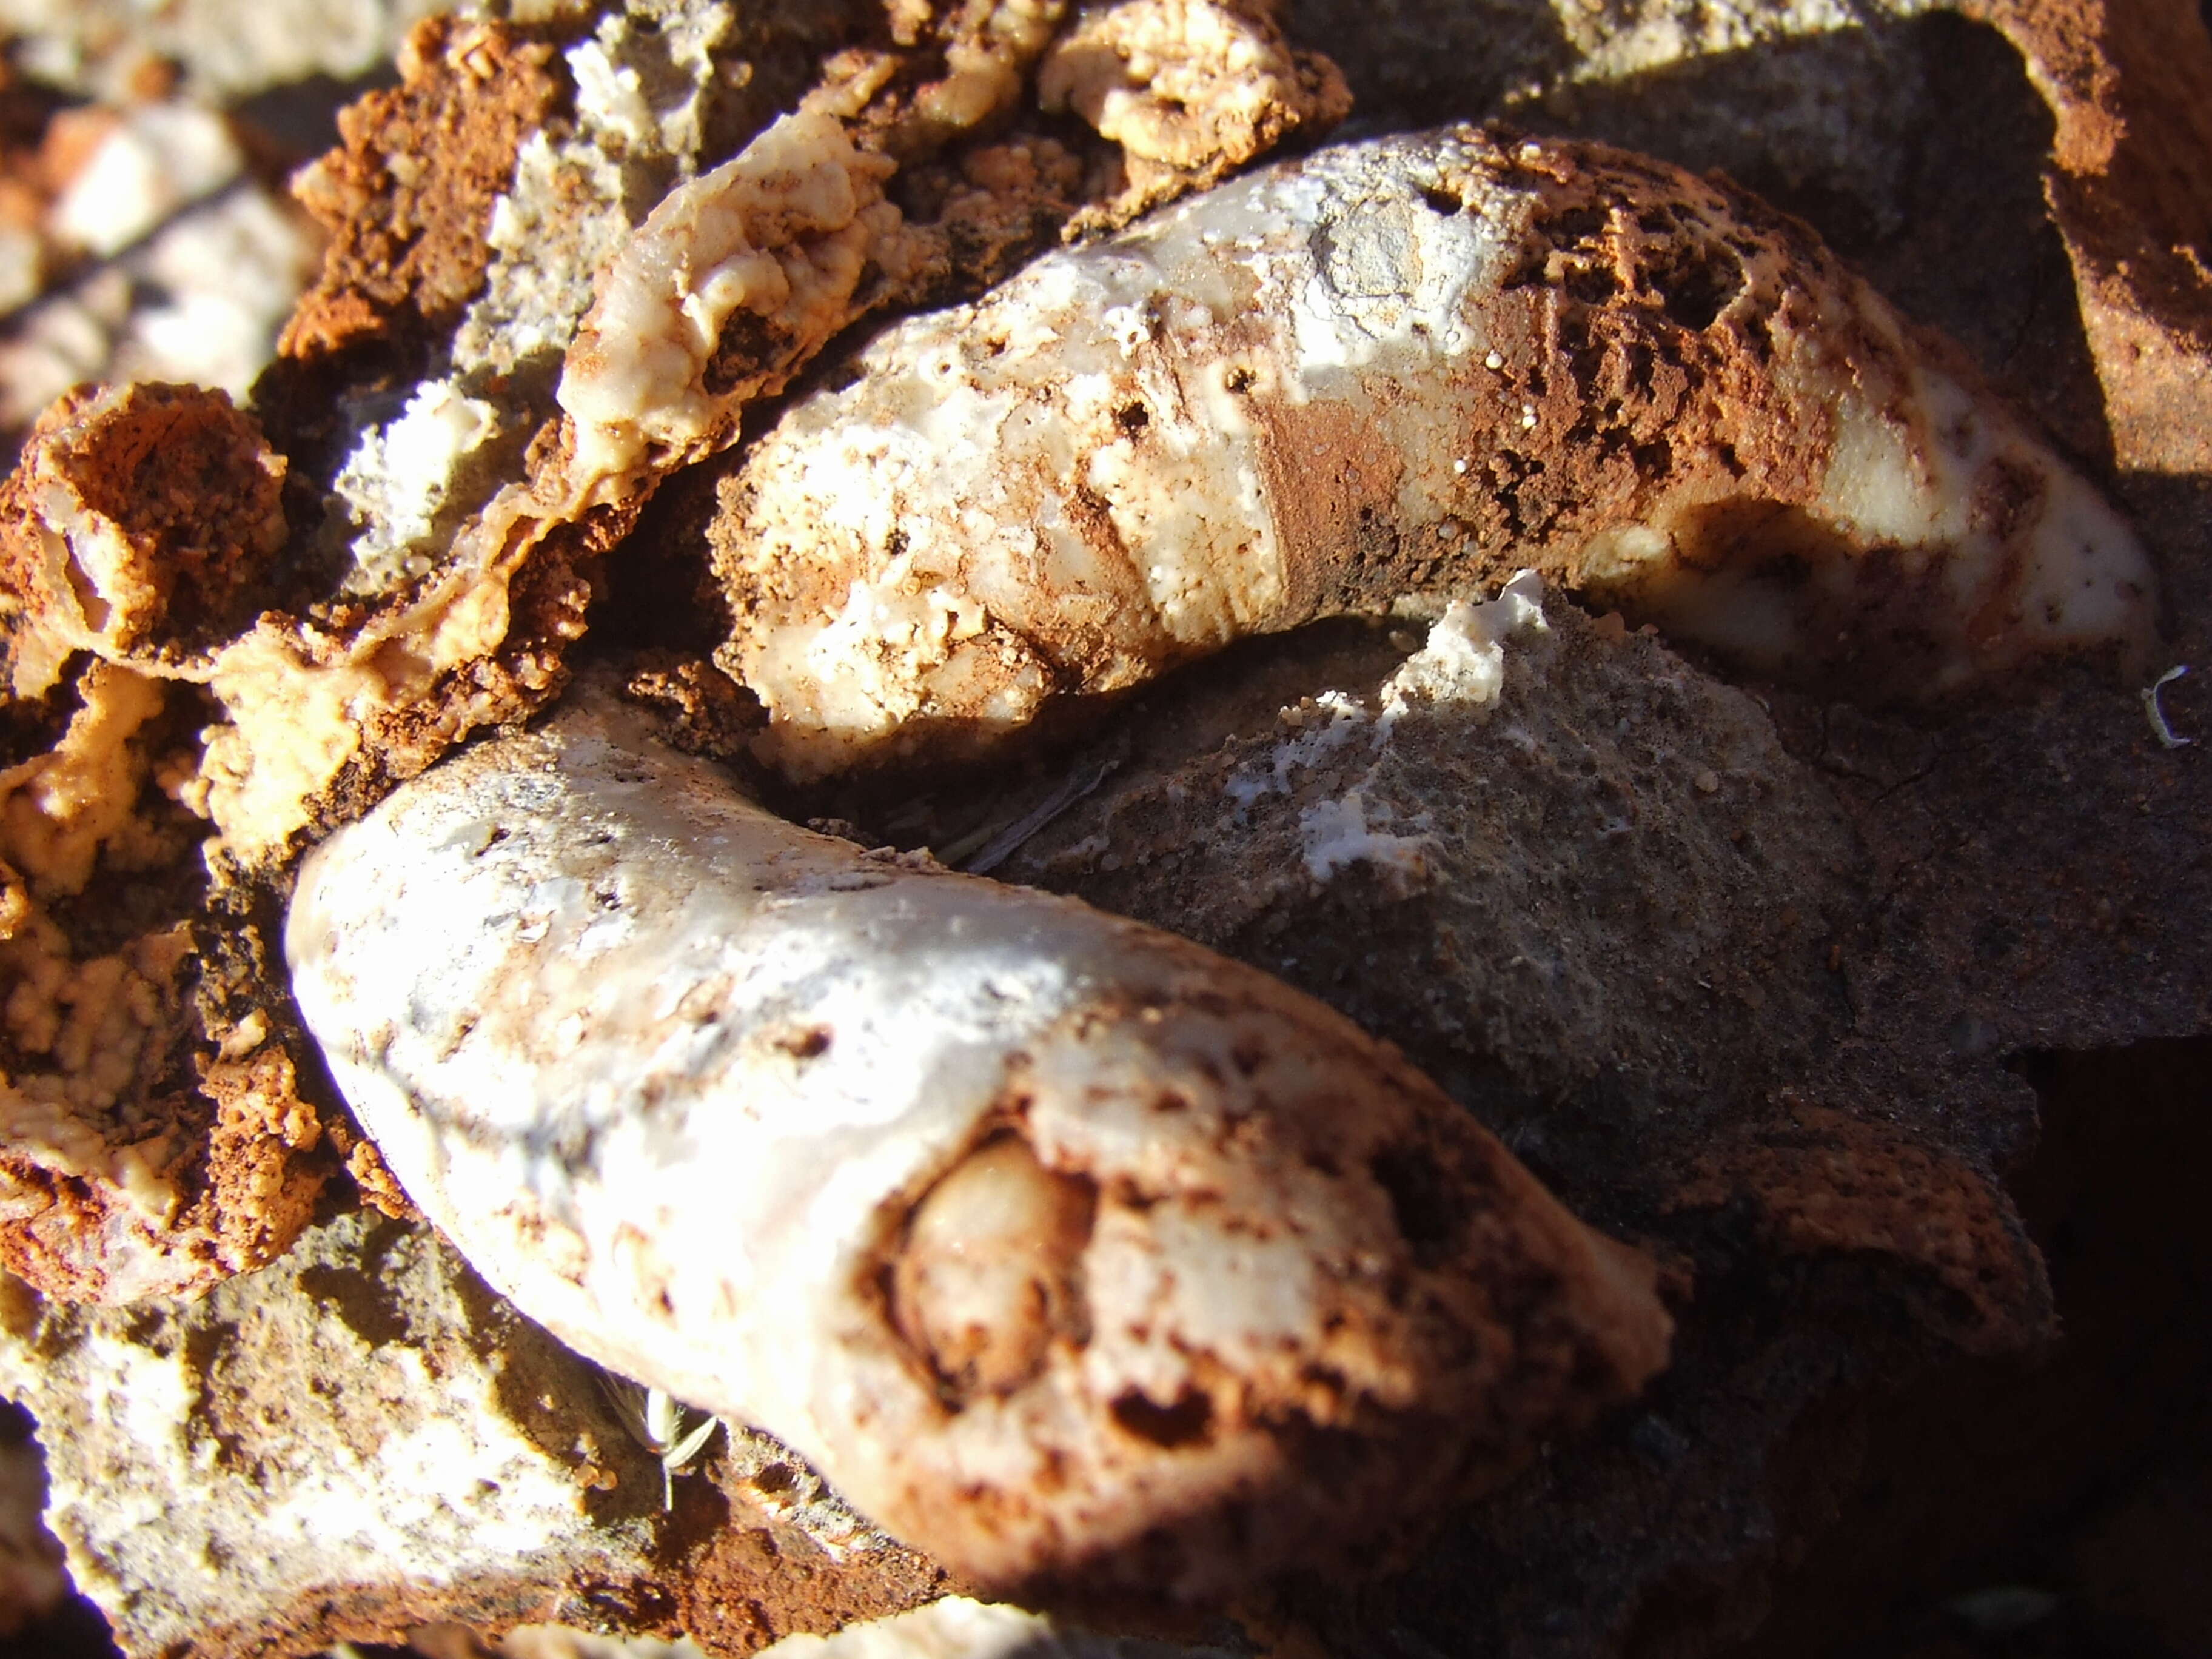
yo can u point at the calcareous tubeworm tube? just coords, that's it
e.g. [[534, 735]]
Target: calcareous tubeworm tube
[[1069, 1249], [1391, 370]]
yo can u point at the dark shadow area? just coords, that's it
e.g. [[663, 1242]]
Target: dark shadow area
[[1413, 63], [2066, 1514], [75, 1629], [300, 117]]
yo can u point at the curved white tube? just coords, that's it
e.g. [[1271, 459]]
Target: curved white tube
[[1064, 1246], [1395, 371]]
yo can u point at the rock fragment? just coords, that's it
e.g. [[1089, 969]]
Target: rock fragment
[[140, 527], [1655, 994], [359, 1419], [362, 1440], [1191, 90], [1499, 852]]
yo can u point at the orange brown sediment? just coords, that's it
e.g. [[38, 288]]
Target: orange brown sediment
[[154, 1146], [408, 196], [992, 206], [141, 526], [2130, 83], [1823, 1184], [748, 1577], [142, 1158]]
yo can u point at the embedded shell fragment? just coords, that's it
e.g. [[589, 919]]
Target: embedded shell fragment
[[1386, 373], [1062, 1245]]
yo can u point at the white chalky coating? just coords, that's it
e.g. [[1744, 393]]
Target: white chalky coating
[[1463, 659], [782, 230], [1260, 406], [395, 483], [722, 1102]]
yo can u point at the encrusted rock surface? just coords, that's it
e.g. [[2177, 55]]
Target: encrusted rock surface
[[1074, 1254], [1368, 381], [389, 552], [1638, 923], [363, 1439]]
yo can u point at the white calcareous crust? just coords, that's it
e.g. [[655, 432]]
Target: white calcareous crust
[[1061, 1245]]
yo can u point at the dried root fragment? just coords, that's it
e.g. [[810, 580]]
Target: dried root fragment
[[1065, 1247], [1372, 377]]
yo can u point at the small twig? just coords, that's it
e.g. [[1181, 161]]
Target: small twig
[[656, 1421], [997, 848], [2167, 736]]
